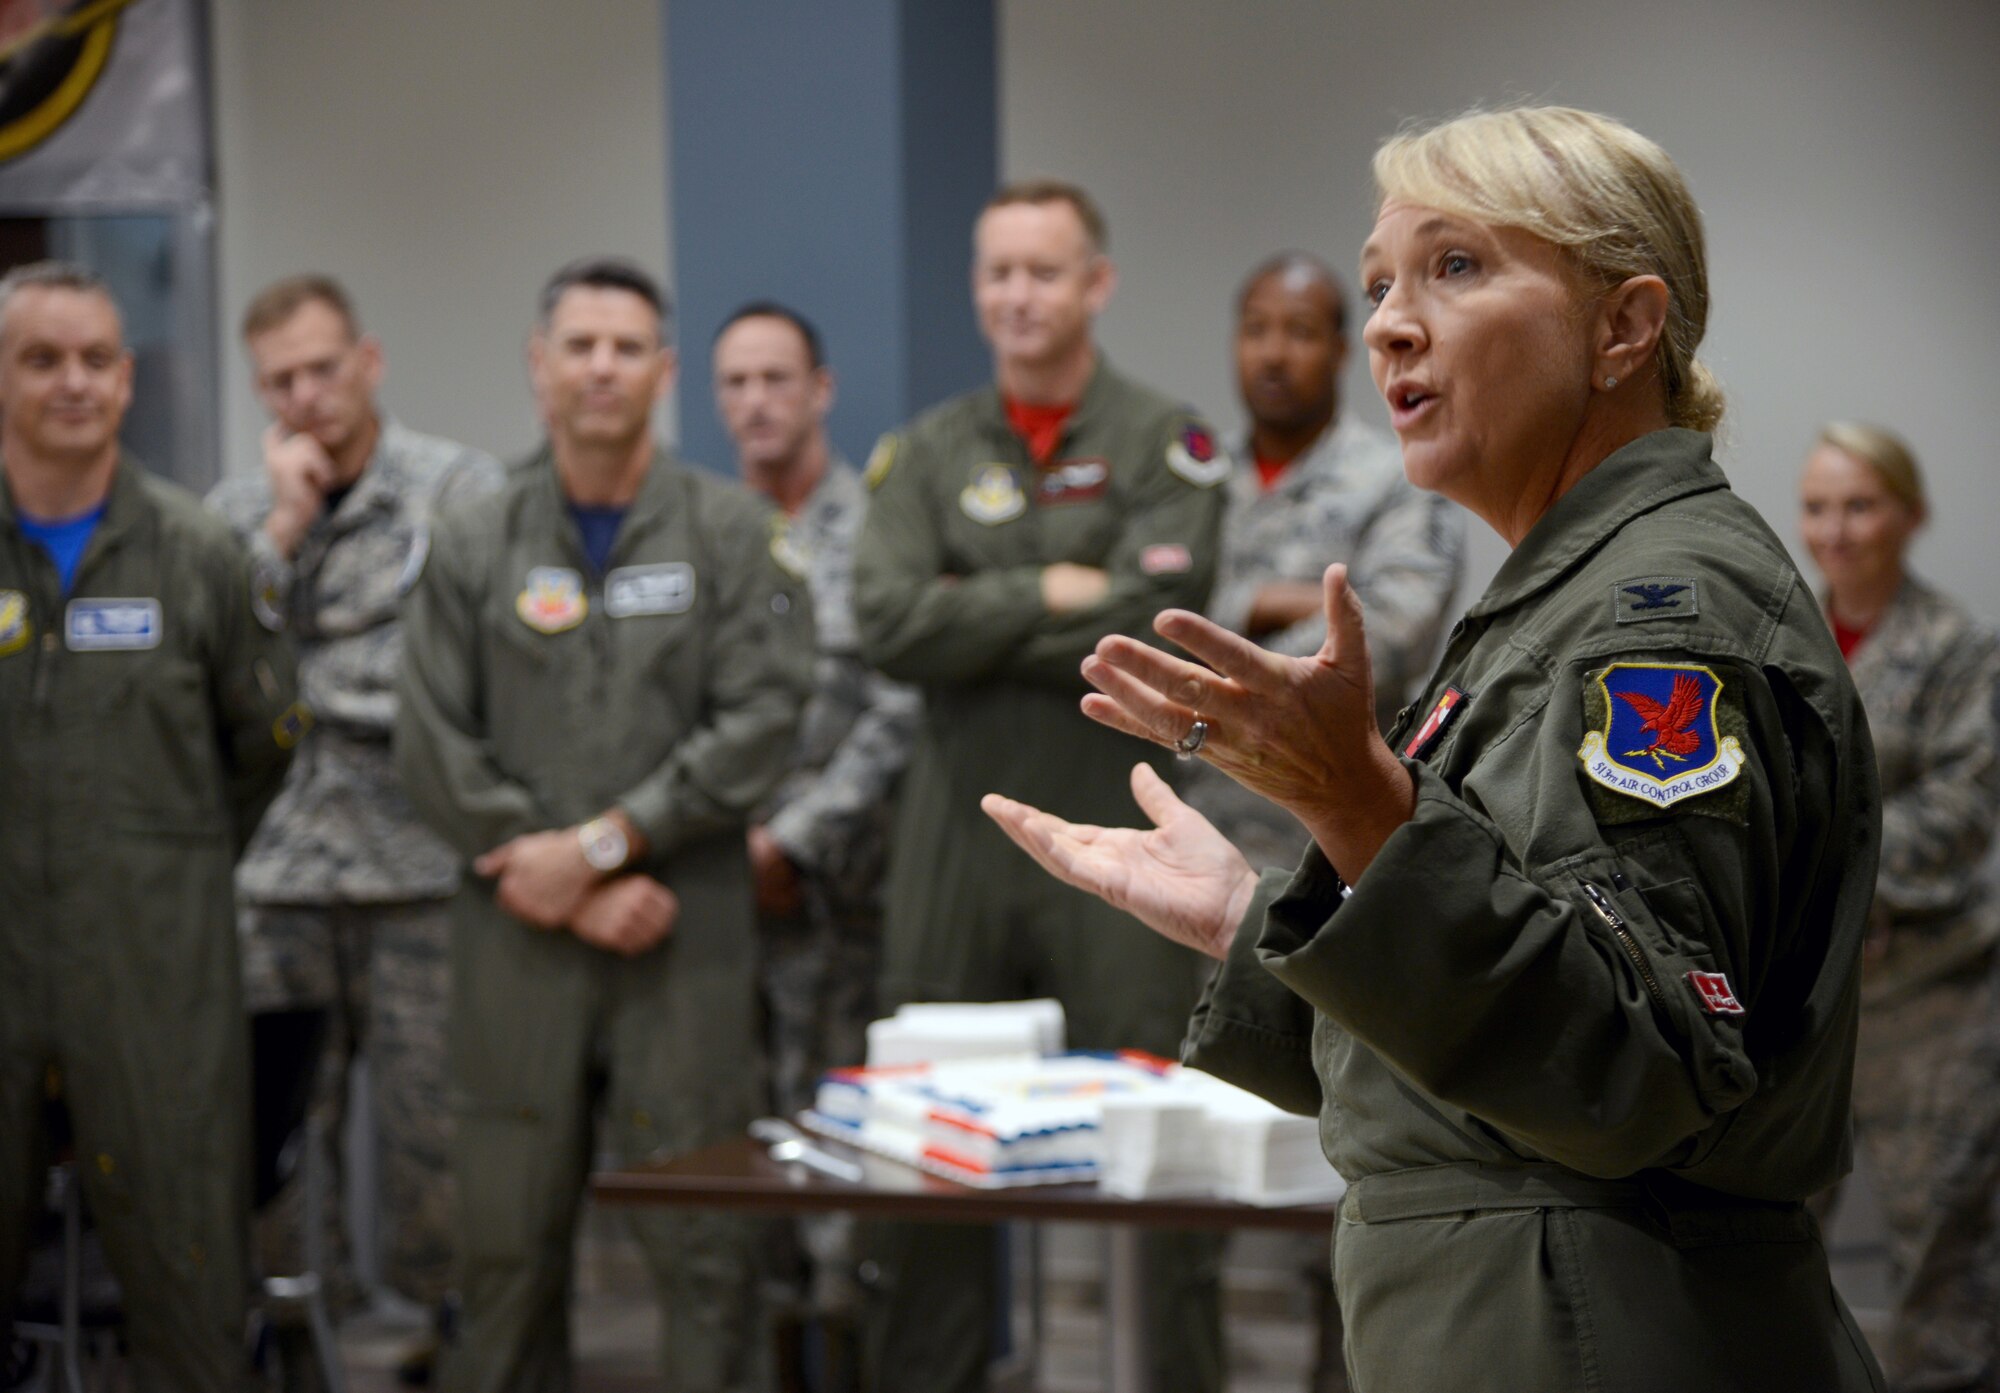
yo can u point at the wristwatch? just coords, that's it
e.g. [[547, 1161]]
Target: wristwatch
[[604, 844]]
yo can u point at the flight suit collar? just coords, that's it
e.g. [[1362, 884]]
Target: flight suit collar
[[1101, 389], [659, 495], [379, 485], [1318, 465], [1653, 470], [126, 481]]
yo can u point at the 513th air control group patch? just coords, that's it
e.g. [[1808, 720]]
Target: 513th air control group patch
[[1656, 735]]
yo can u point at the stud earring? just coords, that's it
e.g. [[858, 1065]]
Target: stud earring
[[1609, 383]]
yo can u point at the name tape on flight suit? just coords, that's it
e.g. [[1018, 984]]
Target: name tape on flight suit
[[111, 626], [1073, 481], [631, 591]]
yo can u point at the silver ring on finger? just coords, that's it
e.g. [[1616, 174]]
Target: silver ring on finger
[[1189, 745]]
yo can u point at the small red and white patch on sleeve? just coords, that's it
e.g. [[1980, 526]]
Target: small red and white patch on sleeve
[[1166, 559], [1716, 997]]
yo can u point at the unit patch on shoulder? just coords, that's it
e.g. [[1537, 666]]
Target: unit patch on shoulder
[[1654, 597], [1659, 741], [994, 496], [413, 564], [111, 626], [880, 461], [16, 630], [787, 550], [292, 725], [267, 593], [553, 600], [1196, 458]]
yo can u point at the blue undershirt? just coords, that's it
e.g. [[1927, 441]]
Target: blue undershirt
[[64, 539], [599, 529]]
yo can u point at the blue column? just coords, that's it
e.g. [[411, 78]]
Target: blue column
[[832, 156]]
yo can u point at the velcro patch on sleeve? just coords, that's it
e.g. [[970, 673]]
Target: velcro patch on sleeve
[[1661, 737], [1655, 597], [1712, 989], [880, 462], [1195, 457]]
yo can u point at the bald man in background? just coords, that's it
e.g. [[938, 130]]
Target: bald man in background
[[1310, 489]]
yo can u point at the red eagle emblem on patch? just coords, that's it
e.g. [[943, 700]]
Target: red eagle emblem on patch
[[1669, 725], [1199, 444]]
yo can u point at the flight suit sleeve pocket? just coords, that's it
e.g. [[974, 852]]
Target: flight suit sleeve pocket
[[1666, 932]]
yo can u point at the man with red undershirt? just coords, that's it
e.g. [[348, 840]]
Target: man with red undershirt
[[1315, 488], [1009, 530]]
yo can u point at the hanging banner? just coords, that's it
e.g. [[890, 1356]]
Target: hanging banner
[[101, 106]]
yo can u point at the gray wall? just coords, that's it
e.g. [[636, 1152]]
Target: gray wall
[[1846, 155], [441, 158], [444, 156]]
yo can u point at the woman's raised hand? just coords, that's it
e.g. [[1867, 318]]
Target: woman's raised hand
[[1181, 877], [1299, 731]]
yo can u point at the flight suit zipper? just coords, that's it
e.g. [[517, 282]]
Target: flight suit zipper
[[42, 666], [1623, 933]]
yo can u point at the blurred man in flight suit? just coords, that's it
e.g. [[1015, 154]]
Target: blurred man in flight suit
[[149, 717], [1009, 530], [604, 669]]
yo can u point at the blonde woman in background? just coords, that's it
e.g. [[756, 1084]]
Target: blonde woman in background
[[1927, 1070]]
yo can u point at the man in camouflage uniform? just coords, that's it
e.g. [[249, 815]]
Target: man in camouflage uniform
[[1313, 488], [817, 847], [606, 667], [344, 891], [1009, 530], [150, 715]]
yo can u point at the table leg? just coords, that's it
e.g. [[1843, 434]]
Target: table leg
[[1124, 1312]]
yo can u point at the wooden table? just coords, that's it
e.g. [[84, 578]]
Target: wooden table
[[737, 1175]]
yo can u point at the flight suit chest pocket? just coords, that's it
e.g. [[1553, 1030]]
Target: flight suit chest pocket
[[151, 734], [1083, 533], [530, 676]]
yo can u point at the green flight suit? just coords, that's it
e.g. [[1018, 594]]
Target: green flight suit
[[535, 694], [1581, 1051], [148, 719], [947, 593]]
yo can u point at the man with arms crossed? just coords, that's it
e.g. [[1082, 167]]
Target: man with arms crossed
[[604, 673], [345, 892], [1009, 530], [150, 715]]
